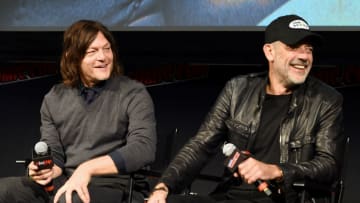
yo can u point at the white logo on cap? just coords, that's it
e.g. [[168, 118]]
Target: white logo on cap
[[298, 24]]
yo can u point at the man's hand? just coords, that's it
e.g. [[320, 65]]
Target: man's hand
[[78, 183], [41, 177], [159, 194], [81, 177], [251, 170]]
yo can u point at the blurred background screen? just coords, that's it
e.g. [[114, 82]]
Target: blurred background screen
[[164, 15]]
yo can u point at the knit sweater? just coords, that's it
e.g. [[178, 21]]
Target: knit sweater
[[120, 122]]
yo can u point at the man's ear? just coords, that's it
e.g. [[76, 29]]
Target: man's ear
[[268, 51]]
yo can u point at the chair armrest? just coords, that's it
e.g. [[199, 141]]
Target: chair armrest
[[149, 173], [312, 185], [333, 191]]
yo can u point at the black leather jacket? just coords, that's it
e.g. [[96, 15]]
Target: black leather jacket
[[311, 135]]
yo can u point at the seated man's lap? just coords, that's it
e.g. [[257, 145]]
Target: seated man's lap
[[208, 199], [21, 189], [189, 199], [105, 195]]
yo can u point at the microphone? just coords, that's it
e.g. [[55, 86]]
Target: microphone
[[235, 157], [43, 160]]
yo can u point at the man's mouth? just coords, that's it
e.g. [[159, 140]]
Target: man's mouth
[[101, 66], [299, 66]]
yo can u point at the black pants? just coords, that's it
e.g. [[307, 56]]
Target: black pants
[[229, 196], [208, 199], [24, 190]]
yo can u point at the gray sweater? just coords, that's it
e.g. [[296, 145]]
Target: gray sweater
[[120, 122]]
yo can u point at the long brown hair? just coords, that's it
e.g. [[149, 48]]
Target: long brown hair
[[77, 39]]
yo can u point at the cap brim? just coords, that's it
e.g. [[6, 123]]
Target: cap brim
[[303, 37]]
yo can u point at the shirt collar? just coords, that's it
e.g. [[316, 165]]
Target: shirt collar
[[95, 91], [97, 88]]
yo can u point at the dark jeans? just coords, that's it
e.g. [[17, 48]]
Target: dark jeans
[[24, 190]]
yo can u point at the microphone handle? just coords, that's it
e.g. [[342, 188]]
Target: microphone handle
[[49, 188], [45, 162], [235, 159], [263, 186]]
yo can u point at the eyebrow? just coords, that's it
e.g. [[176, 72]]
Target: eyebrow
[[96, 47]]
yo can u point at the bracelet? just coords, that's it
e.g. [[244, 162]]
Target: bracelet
[[161, 188]]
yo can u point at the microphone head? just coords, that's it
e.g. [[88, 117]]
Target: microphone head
[[228, 149], [41, 148]]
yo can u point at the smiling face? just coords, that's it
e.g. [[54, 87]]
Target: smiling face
[[288, 66], [97, 63]]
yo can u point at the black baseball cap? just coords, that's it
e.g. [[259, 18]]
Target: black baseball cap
[[291, 30]]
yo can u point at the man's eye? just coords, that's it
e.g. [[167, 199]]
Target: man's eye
[[90, 52]]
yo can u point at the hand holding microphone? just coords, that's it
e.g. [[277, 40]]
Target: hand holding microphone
[[42, 158], [235, 157]]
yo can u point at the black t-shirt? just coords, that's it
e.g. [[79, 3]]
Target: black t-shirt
[[266, 147]]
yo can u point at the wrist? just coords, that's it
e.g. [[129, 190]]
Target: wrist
[[280, 176], [161, 187]]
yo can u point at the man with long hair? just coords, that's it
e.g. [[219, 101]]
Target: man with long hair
[[99, 125]]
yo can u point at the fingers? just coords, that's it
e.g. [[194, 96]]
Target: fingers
[[42, 174], [68, 196], [32, 166], [250, 170], [158, 197], [58, 194], [82, 192], [41, 177], [78, 183]]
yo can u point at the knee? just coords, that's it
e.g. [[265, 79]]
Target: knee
[[20, 189], [74, 198], [9, 184]]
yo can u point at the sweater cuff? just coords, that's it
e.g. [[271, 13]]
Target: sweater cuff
[[59, 163], [118, 160]]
